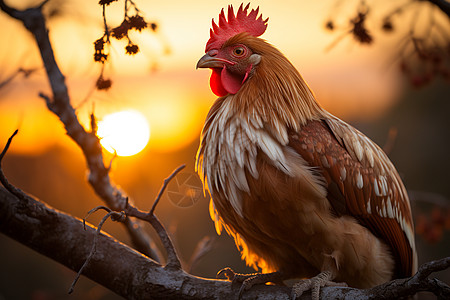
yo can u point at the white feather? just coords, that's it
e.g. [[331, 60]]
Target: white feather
[[359, 181], [376, 188], [357, 148], [343, 172], [389, 208]]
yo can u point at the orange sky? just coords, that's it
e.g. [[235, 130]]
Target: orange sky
[[351, 81]]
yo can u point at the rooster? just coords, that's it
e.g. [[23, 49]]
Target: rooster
[[303, 194]]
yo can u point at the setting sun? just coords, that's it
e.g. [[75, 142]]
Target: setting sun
[[125, 132]]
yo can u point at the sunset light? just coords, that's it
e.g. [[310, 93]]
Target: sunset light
[[125, 132], [314, 132]]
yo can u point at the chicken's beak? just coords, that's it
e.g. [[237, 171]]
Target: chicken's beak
[[208, 61]]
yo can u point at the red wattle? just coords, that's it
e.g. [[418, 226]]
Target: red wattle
[[230, 81], [216, 83]]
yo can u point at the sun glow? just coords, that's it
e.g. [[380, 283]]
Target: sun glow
[[125, 132]]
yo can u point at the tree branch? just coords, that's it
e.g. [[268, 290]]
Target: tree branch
[[25, 72], [59, 104], [54, 234], [126, 272], [116, 266], [114, 216], [59, 236], [401, 288], [164, 186]]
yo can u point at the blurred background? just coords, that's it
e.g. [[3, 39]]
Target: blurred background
[[366, 85]]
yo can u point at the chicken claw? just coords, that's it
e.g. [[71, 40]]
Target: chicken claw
[[249, 280], [314, 284]]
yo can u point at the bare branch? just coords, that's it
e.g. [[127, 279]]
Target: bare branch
[[11, 188], [401, 288], [423, 53], [163, 188], [8, 143], [44, 229], [114, 265], [173, 260], [25, 72], [59, 104], [93, 211], [113, 215]]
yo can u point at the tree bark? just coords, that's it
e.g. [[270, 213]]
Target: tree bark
[[114, 265], [34, 20], [132, 275]]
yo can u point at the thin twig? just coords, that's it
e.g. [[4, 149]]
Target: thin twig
[[93, 211], [11, 188], [172, 257], [25, 72], [43, 3], [130, 211], [59, 103], [399, 9], [163, 188], [173, 260], [111, 162], [8, 143], [337, 40], [114, 215], [204, 246], [104, 23]]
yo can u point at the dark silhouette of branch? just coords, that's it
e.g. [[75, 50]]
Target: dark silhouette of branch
[[25, 72], [401, 288], [114, 265], [164, 186], [59, 103], [422, 53], [115, 216], [173, 262]]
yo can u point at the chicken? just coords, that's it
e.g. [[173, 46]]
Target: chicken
[[303, 194]]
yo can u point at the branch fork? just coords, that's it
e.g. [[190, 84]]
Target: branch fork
[[173, 261]]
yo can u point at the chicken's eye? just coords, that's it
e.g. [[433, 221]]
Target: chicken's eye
[[239, 51]]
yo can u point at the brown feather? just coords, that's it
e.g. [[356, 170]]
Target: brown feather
[[298, 189], [356, 199]]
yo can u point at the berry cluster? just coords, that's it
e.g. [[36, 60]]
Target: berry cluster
[[133, 22], [423, 56], [359, 30], [422, 62], [431, 228]]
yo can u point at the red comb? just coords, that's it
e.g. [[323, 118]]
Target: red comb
[[235, 24]]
